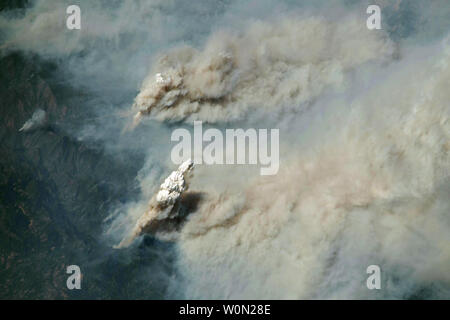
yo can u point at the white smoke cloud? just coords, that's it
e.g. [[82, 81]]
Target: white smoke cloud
[[286, 62]]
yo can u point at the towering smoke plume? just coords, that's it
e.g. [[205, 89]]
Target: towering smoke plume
[[164, 206], [38, 120]]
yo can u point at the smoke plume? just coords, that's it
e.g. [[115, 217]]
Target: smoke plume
[[364, 137], [286, 62]]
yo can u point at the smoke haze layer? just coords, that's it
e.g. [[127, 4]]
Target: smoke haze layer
[[364, 136]]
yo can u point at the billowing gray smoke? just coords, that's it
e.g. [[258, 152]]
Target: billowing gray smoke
[[364, 141]]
